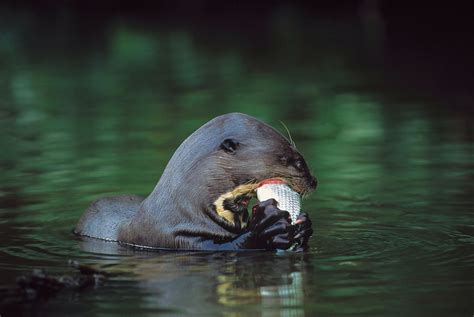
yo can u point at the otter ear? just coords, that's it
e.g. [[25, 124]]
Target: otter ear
[[229, 145]]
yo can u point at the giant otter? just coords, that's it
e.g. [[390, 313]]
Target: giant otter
[[200, 201]]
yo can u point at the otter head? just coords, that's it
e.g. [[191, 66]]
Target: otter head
[[221, 164]]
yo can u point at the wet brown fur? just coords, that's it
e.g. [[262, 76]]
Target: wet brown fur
[[187, 205]]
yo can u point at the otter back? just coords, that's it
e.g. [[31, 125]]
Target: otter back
[[102, 220]]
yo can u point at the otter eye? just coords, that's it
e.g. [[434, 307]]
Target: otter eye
[[299, 164], [229, 145]]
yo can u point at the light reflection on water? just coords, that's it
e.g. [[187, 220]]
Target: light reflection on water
[[392, 214]]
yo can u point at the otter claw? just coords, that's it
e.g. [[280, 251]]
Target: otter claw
[[303, 231]]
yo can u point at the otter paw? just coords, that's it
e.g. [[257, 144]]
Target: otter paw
[[303, 231], [271, 226]]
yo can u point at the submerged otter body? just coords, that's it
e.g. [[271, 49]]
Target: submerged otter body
[[200, 201]]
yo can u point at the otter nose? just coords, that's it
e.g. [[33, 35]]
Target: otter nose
[[313, 182]]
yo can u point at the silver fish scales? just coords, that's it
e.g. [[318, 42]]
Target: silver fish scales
[[287, 198]]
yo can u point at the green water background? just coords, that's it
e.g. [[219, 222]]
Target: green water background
[[93, 106]]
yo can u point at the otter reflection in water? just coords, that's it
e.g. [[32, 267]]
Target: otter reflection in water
[[200, 201]]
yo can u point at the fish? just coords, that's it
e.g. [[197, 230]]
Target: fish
[[287, 199]]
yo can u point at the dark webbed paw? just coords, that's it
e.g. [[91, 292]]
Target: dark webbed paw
[[271, 226], [270, 229], [303, 231]]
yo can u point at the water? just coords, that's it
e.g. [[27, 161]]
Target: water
[[86, 117]]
